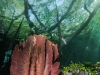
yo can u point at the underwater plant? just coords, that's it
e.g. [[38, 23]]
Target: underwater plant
[[86, 67]]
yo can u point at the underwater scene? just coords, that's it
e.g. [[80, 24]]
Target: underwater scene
[[50, 37]]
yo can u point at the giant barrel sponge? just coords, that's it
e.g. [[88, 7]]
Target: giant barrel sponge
[[36, 56]]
